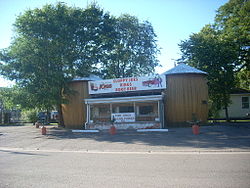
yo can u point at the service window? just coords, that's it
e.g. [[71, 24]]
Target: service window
[[123, 108], [100, 113], [126, 109], [146, 110], [245, 102]]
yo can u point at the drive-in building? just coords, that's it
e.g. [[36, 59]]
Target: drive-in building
[[156, 101]]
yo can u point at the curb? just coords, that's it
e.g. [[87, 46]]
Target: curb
[[5, 149]]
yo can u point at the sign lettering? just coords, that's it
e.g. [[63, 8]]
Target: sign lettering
[[127, 84]]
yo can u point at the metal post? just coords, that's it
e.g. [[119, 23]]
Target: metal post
[[88, 115], [163, 114], [159, 115], [135, 110], [110, 106]]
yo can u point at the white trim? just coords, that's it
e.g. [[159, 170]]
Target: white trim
[[152, 130], [85, 131], [123, 99], [241, 94]]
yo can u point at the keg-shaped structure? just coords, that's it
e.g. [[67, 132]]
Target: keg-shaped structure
[[74, 111], [186, 96]]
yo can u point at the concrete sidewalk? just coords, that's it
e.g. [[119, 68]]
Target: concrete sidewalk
[[215, 138]]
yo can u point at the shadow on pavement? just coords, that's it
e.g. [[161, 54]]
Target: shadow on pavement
[[21, 153], [220, 137]]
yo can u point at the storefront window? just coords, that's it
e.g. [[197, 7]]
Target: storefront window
[[147, 111], [140, 111], [100, 113], [123, 108]]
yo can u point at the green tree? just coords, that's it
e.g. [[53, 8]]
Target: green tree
[[16, 98], [222, 50], [55, 44], [134, 49], [207, 51], [5, 98], [243, 78], [233, 21]]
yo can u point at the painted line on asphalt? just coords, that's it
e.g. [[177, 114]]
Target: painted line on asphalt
[[192, 152]]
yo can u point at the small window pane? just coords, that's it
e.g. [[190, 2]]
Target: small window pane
[[245, 102], [100, 113], [125, 109], [245, 99], [145, 110], [245, 105]]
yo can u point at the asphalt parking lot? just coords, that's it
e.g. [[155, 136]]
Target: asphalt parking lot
[[228, 138], [218, 157]]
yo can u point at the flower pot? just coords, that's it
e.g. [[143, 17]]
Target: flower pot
[[196, 129], [112, 130], [43, 130]]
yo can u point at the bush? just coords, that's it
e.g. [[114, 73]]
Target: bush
[[30, 115]]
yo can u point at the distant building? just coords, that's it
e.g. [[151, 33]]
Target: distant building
[[239, 108]]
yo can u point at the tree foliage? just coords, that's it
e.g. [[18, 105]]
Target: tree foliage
[[233, 20], [57, 43], [6, 98], [134, 49], [15, 98], [222, 50]]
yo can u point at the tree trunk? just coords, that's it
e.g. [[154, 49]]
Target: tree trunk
[[226, 103], [47, 116], [60, 114], [7, 117], [226, 113]]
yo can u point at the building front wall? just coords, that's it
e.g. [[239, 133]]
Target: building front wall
[[135, 125], [124, 115], [74, 112], [186, 94], [235, 109]]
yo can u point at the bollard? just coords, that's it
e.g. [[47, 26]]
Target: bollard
[[44, 130], [112, 130]]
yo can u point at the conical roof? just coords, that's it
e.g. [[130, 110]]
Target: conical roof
[[183, 69]]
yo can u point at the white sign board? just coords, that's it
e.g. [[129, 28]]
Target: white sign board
[[124, 117], [127, 84]]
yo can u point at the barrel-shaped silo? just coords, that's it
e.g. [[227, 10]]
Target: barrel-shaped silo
[[186, 95], [74, 112]]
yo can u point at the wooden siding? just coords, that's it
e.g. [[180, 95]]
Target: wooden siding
[[186, 94], [74, 113]]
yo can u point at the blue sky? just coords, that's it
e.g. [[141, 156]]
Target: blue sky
[[172, 20]]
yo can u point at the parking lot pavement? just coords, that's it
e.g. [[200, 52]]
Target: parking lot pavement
[[212, 138]]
